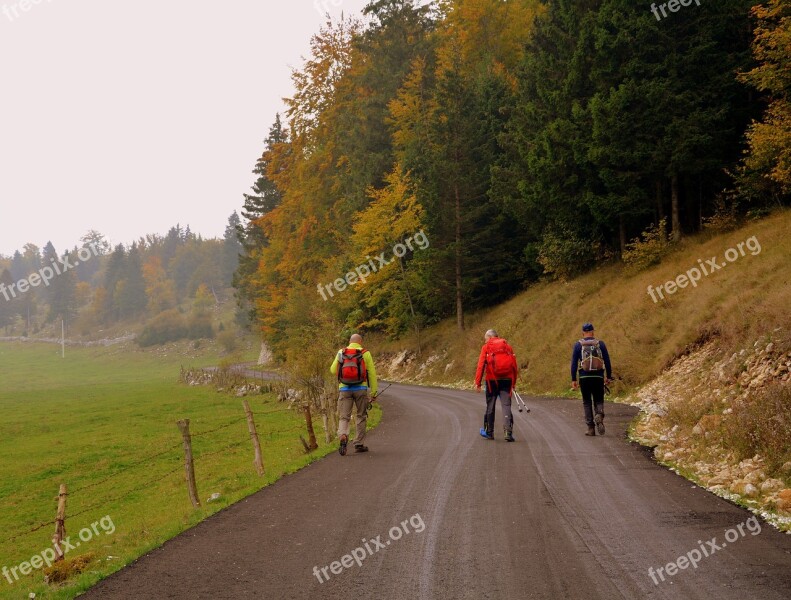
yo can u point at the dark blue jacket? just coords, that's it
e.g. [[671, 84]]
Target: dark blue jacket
[[577, 356]]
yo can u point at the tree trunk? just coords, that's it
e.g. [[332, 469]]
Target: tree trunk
[[660, 206], [459, 304], [675, 235], [411, 305], [325, 421], [331, 412], [622, 233]]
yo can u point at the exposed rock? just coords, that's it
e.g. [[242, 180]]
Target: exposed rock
[[755, 477], [721, 478], [744, 488], [709, 379], [784, 500], [265, 356], [771, 485]]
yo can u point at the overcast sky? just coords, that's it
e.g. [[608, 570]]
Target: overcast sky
[[131, 116]]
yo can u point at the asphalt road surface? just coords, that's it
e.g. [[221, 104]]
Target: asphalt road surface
[[436, 511]]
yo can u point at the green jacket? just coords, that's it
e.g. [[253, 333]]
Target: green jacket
[[369, 366]]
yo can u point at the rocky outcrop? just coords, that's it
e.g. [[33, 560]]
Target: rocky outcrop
[[716, 380], [265, 356]]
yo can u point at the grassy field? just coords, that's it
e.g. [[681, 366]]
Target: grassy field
[[91, 421]]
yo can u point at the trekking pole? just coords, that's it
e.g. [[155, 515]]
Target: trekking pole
[[520, 403], [380, 392]]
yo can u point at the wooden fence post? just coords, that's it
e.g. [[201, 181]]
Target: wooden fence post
[[189, 467], [259, 461], [60, 523], [309, 423]]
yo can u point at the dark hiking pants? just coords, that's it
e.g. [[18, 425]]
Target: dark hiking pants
[[592, 388], [498, 389]]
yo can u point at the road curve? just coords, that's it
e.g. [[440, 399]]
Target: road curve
[[554, 515]]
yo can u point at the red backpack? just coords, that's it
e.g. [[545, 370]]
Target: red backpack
[[500, 359], [351, 367]]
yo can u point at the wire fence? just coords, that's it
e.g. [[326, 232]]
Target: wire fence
[[146, 461]]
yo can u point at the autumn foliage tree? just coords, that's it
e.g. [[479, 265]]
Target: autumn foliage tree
[[526, 139], [768, 157]]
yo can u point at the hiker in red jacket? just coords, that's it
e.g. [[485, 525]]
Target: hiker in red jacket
[[498, 362]]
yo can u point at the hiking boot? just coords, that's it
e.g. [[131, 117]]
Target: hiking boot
[[599, 420], [486, 434], [342, 447], [509, 437], [591, 431], [361, 448]]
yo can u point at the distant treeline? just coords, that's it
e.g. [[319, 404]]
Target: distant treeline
[[94, 285], [526, 139]]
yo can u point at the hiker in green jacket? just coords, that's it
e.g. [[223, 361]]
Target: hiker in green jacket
[[356, 373]]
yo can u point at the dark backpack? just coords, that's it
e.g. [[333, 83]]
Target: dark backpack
[[351, 367], [500, 359], [592, 358]]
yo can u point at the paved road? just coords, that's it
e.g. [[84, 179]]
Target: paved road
[[554, 515]]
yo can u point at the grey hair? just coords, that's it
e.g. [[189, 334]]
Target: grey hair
[[491, 333]]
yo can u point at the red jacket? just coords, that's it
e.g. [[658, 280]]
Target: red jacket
[[479, 373]]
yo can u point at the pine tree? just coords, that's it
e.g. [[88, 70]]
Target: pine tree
[[131, 298], [62, 301], [113, 276], [265, 198], [8, 305]]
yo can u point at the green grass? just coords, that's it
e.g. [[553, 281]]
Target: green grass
[[87, 417]]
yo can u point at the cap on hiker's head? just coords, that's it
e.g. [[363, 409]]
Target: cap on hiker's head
[[587, 327]]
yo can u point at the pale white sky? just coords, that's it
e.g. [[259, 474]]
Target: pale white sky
[[129, 116]]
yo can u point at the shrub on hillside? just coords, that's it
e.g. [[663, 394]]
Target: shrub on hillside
[[762, 425], [200, 327], [564, 254], [227, 339], [688, 413], [725, 217], [643, 253], [167, 326]]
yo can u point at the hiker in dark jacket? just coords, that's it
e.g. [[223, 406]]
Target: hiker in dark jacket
[[590, 362], [498, 362]]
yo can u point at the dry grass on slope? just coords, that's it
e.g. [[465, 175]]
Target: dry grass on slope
[[743, 301]]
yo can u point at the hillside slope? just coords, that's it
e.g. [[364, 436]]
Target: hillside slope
[[709, 363], [737, 304]]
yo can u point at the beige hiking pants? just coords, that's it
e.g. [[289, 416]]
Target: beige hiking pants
[[346, 401]]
